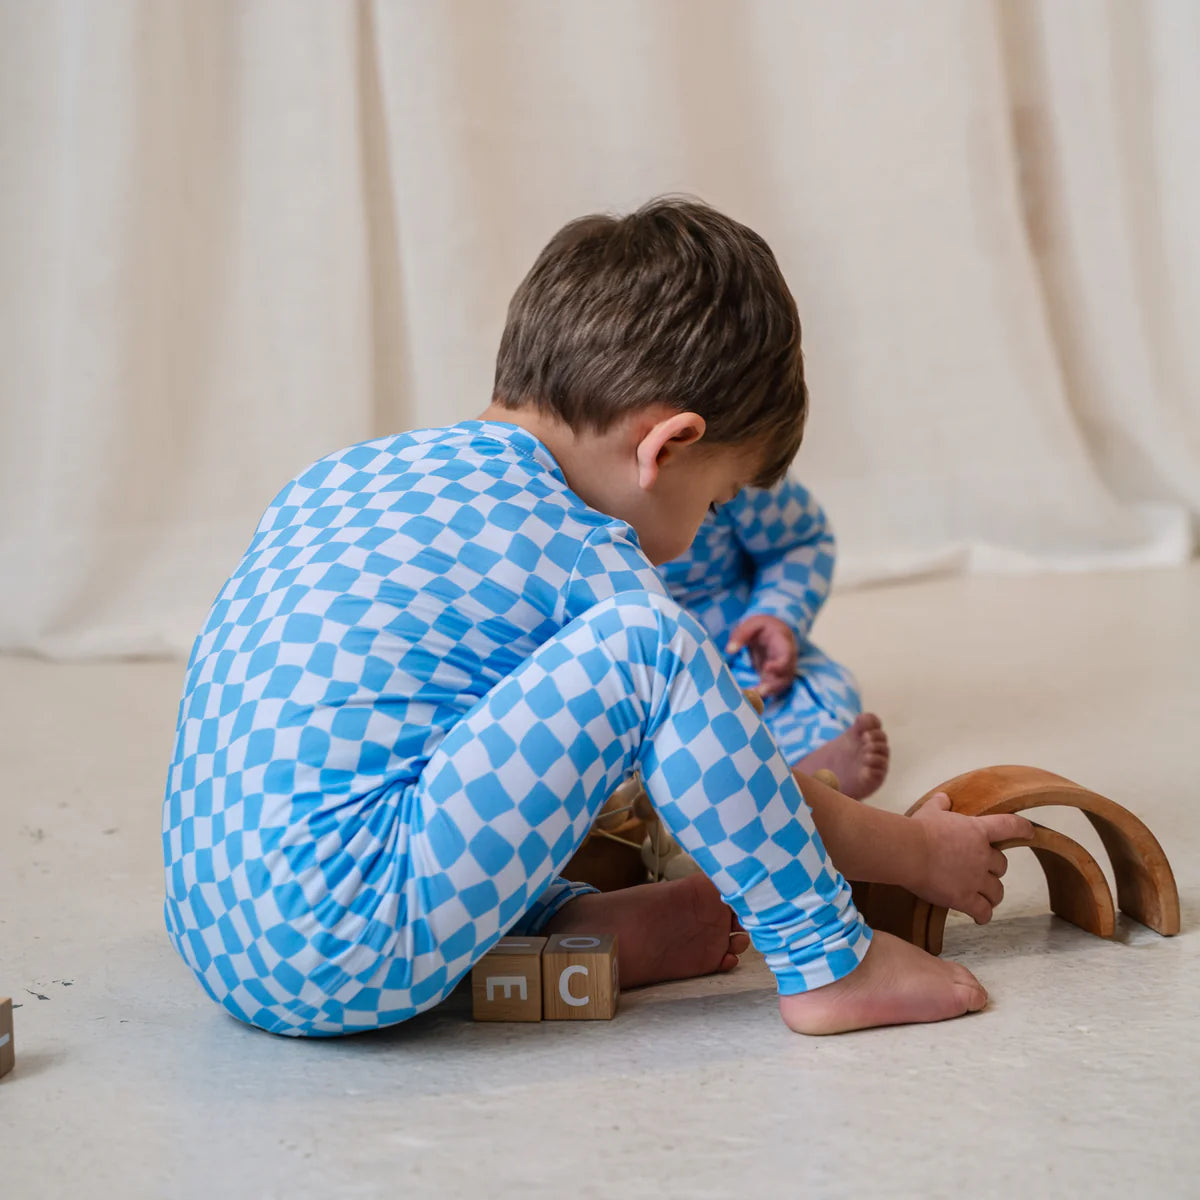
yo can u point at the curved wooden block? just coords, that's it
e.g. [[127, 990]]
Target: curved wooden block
[[1079, 893], [890, 908], [1146, 888]]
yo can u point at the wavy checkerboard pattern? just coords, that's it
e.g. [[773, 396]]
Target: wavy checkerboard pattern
[[423, 680], [771, 551]]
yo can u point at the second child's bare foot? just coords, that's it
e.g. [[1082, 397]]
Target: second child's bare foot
[[671, 930], [895, 984], [858, 757]]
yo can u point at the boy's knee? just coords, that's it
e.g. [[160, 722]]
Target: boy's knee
[[643, 619]]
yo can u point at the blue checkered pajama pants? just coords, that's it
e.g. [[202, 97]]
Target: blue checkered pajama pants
[[475, 846]]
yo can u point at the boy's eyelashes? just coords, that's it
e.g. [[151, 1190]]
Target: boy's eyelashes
[[713, 506]]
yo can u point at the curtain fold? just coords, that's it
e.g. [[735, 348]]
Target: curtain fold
[[237, 235]]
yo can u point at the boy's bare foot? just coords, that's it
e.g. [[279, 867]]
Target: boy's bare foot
[[671, 930], [858, 757], [895, 984]]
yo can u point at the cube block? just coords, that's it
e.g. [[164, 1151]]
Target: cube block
[[7, 1054], [506, 983], [579, 977]]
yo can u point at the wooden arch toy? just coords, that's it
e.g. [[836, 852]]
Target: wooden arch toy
[[1079, 892]]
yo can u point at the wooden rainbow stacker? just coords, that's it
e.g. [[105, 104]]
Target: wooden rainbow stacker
[[1079, 892]]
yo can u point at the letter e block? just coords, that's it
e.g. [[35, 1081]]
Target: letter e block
[[579, 977], [506, 983], [7, 1055]]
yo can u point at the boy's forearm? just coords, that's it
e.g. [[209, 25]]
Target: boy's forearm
[[865, 843]]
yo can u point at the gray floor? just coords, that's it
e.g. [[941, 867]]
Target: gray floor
[[1082, 1076]]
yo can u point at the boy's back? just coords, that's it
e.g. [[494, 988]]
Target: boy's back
[[387, 589]]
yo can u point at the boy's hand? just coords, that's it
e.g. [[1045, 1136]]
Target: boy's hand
[[962, 867], [772, 648]]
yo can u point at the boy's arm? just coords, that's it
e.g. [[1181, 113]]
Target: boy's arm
[[608, 563], [787, 536], [941, 856]]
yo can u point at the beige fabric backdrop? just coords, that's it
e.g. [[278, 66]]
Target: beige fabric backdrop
[[234, 236]]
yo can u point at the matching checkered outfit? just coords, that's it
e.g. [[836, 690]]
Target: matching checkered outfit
[[430, 669], [771, 552]]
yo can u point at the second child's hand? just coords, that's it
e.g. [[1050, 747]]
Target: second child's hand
[[773, 651]]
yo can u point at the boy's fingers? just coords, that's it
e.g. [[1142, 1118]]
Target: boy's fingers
[[741, 641], [938, 800], [992, 890], [738, 641], [979, 909], [998, 863], [1004, 827], [783, 653], [744, 632]]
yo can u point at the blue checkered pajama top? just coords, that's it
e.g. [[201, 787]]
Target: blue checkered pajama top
[[429, 670]]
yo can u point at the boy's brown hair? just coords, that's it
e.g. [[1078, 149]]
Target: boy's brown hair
[[674, 303]]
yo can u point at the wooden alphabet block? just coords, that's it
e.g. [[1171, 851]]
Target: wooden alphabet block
[[579, 977], [7, 1055], [506, 983]]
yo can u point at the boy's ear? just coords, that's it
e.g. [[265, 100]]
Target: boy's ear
[[664, 439]]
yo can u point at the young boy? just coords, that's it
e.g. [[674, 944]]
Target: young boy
[[443, 650], [755, 577]]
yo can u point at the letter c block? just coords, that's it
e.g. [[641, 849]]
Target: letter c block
[[579, 978]]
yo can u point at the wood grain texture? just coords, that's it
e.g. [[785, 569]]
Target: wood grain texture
[[579, 977], [609, 864], [1079, 891], [1146, 888], [8, 1056], [506, 983]]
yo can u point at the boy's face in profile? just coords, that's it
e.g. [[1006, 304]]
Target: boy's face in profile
[[688, 482]]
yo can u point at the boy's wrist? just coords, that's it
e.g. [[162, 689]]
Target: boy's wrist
[[868, 843], [912, 859]]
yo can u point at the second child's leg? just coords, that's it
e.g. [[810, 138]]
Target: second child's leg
[[819, 724]]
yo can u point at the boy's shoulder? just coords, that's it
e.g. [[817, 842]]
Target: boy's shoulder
[[498, 469], [435, 441], [469, 444]]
